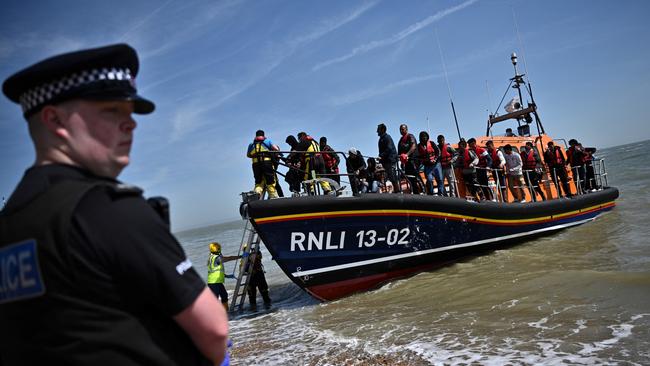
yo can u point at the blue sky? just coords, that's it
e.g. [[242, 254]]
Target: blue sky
[[220, 70]]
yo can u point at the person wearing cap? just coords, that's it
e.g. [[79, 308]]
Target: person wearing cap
[[388, 155], [217, 272], [357, 170], [95, 276]]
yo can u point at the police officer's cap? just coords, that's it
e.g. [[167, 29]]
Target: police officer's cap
[[105, 73]]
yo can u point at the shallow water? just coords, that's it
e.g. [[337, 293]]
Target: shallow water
[[579, 296]]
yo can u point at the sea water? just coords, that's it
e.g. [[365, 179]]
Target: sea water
[[579, 296]]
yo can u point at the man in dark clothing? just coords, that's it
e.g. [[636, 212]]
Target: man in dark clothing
[[554, 158], [331, 159], [98, 277], [407, 151], [356, 168], [467, 161], [388, 155], [258, 282], [294, 174], [484, 161], [575, 157], [532, 170]]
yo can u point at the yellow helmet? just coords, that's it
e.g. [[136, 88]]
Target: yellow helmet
[[215, 247]]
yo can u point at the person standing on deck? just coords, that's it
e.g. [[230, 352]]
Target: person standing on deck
[[532, 166], [484, 161], [554, 158], [217, 273], [294, 176], [498, 171], [312, 161], [98, 277], [467, 161], [388, 155], [407, 151], [356, 168], [429, 157], [515, 175], [576, 159], [331, 159], [448, 156], [263, 170]]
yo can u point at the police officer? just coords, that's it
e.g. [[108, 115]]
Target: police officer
[[91, 273]]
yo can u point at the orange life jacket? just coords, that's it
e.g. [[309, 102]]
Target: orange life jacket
[[445, 156], [529, 160], [428, 155]]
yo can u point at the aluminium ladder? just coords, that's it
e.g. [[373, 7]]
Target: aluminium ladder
[[249, 247]]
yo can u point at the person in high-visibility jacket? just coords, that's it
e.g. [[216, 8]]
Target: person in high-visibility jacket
[[263, 170], [312, 161], [216, 272]]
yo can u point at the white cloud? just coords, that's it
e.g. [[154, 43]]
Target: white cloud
[[373, 92], [190, 117], [396, 37]]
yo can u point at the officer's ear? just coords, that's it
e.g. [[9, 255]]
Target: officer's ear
[[52, 117]]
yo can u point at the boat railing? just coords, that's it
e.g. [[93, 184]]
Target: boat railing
[[583, 179]]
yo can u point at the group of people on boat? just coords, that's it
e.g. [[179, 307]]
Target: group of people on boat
[[421, 166]]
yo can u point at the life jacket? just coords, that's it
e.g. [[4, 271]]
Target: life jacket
[[555, 157], [428, 155], [330, 158], [445, 156], [576, 158], [496, 162], [528, 158], [216, 272], [482, 160], [405, 143], [313, 147], [467, 159], [259, 148]]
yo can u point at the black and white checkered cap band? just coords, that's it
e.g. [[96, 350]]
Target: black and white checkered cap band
[[46, 92]]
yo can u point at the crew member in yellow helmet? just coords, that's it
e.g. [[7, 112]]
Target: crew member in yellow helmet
[[216, 272]]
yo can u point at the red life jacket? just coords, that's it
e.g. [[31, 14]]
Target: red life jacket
[[428, 155], [496, 162], [529, 160], [467, 159], [330, 159], [482, 160], [555, 157], [445, 156]]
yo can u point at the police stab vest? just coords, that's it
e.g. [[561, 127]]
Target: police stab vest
[[38, 281]]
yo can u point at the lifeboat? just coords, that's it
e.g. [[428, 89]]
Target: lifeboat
[[333, 246]]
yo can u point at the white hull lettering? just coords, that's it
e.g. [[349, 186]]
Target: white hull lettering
[[328, 241]]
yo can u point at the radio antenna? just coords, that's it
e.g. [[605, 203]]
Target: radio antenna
[[444, 68], [521, 44]]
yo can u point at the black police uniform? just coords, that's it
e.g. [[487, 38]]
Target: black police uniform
[[113, 276], [89, 272]]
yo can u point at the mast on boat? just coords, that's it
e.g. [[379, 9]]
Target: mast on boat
[[522, 115]]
